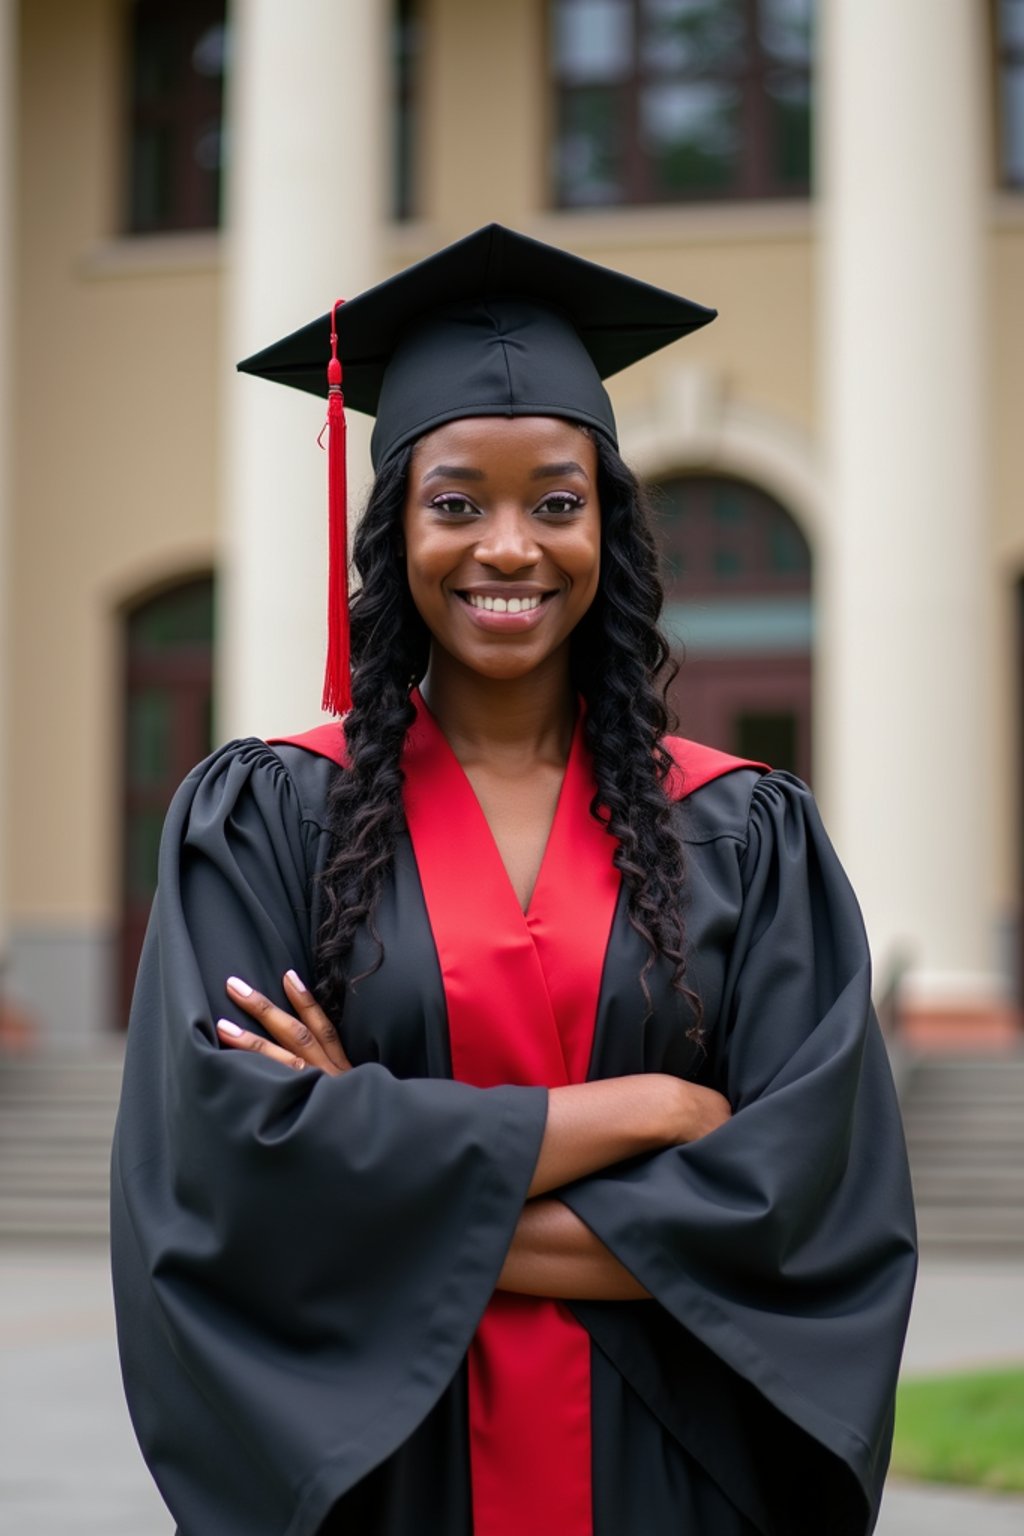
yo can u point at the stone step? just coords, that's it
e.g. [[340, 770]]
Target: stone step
[[969, 1217], [927, 1120], [57, 1071], [33, 1216], [70, 1182], [1001, 1186], [19, 1122], [943, 1149], [964, 1121]]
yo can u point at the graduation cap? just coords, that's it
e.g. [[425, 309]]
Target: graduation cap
[[497, 324]]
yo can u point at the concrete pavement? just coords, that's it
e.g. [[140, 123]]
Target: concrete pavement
[[69, 1465]]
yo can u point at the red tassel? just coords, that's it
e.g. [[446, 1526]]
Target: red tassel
[[337, 697]]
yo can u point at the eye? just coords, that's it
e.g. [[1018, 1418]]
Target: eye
[[453, 506], [560, 502]]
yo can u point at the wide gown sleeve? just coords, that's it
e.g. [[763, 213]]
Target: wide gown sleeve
[[300, 1261], [780, 1249]]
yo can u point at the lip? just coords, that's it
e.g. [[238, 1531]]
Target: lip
[[514, 623], [506, 589]]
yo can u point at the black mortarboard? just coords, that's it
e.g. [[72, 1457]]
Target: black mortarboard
[[497, 324]]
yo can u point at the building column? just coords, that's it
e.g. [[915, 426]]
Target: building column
[[902, 702], [308, 121], [8, 226]]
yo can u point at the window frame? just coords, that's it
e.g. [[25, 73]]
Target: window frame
[[182, 112], [755, 182]]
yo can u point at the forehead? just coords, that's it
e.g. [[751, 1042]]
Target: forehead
[[501, 441]]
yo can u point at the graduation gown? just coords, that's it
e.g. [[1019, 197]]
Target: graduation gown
[[304, 1266]]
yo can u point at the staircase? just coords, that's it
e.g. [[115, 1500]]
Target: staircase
[[56, 1122], [964, 1118]]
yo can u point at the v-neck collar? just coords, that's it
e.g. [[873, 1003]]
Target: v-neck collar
[[543, 965], [429, 730]]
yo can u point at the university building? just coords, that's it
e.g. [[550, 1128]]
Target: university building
[[838, 461]]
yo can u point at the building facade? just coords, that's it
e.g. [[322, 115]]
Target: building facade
[[838, 461]]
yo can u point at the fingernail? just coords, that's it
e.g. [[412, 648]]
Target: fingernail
[[227, 1028], [236, 984], [296, 981]]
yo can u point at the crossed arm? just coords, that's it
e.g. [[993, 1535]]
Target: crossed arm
[[589, 1126]]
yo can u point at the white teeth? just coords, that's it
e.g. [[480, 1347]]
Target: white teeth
[[502, 604]]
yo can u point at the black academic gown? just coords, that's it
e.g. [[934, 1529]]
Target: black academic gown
[[300, 1262]]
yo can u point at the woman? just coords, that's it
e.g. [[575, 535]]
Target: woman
[[592, 1215]]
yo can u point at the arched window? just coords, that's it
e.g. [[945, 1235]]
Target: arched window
[[738, 606], [168, 690]]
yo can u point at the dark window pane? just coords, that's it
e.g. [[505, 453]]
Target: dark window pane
[[153, 63], [182, 617], [785, 28], [149, 735], [768, 738], [1011, 23], [143, 847], [407, 44], [1013, 125], [790, 99], [728, 505], [152, 189], [691, 131], [788, 549], [209, 53], [589, 164], [692, 35], [727, 562], [593, 41]]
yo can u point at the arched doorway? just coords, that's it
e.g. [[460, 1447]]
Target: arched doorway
[[168, 690], [737, 574]]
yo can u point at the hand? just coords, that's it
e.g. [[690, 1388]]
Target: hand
[[310, 1040]]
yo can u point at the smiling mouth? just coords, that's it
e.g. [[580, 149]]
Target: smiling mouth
[[489, 604]]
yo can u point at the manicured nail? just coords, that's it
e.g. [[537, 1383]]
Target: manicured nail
[[227, 1028], [236, 984], [296, 981]]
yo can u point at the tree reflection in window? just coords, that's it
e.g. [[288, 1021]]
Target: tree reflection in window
[[669, 100]]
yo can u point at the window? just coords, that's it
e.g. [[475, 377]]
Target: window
[[1010, 49], [177, 52], [168, 690], [739, 614], [681, 100], [407, 44]]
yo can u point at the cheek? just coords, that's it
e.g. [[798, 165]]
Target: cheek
[[584, 563]]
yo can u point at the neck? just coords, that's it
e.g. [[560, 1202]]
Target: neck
[[511, 721]]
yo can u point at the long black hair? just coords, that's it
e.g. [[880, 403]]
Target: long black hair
[[620, 663]]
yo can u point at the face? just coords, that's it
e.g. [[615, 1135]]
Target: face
[[503, 540]]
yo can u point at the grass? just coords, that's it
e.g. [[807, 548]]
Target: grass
[[962, 1429]]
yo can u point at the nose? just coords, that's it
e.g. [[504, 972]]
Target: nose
[[507, 541]]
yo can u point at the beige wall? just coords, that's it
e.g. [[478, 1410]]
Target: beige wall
[[1006, 309], [115, 431]]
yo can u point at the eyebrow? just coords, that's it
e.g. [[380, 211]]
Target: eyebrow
[[553, 471], [453, 472]]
